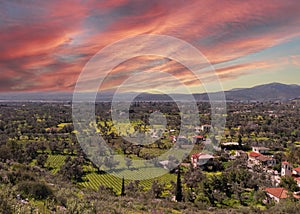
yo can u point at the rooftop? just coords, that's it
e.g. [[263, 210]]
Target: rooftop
[[297, 169], [254, 154], [202, 156], [277, 192], [260, 148]]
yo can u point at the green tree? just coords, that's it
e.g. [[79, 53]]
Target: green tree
[[123, 187], [178, 192]]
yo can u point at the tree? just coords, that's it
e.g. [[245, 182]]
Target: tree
[[157, 189], [289, 183], [35, 189], [123, 187], [72, 169], [41, 160], [178, 187], [193, 178], [240, 141]]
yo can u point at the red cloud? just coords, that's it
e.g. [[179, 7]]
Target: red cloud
[[44, 46]]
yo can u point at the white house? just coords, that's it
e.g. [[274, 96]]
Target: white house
[[286, 169], [266, 160], [200, 159], [298, 181], [296, 171], [261, 150], [206, 128]]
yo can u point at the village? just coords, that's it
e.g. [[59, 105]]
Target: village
[[255, 157]]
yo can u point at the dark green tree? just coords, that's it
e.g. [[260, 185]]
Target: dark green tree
[[178, 196], [123, 187], [240, 141]]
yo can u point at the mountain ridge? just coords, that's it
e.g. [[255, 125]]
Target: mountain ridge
[[267, 92]]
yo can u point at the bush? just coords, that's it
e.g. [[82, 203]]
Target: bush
[[35, 189]]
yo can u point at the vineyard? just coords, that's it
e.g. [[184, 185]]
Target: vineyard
[[54, 162], [94, 180]]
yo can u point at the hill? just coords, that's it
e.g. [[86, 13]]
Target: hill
[[266, 92]]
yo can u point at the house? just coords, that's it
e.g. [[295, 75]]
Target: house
[[206, 128], [173, 138], [296, 171], [200, 159], [254, 155], [277, 193], [261, 150], [198, 139], [258, 158], [286, 169], [266, 161], [298, 181], [230, 144], [198, 129]]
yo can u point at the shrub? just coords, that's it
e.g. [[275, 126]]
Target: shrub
[[35, 189]]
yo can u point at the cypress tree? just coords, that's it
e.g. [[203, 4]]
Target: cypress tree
[[178, 196], [123, 187]]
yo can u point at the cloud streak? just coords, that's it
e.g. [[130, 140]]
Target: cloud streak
[[45, 44]]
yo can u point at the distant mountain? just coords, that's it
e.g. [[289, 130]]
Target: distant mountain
[[267, 92]]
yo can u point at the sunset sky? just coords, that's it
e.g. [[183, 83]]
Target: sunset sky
[[44, 45]]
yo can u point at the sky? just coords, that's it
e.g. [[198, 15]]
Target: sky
[[45, 45]]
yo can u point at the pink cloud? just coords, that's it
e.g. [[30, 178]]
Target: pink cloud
[[44, 46]]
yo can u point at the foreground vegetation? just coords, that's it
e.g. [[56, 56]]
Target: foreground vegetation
[[43, 168]]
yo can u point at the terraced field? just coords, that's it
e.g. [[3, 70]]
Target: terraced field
[[94, 180], [55, 162]]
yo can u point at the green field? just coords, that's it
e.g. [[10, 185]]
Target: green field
[[54, 162], [94, 180]]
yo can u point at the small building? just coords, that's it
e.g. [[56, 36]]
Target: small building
[[173, 139], [261, 150], [286, 169], [230, 144], [298, 181], [200, 159], [296, 171], [198, 129], [266, 161], [206, 128], [258, 158], [198, 139], [254, 155], [277, 193]]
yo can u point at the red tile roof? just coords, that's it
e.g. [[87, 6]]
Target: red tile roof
[[264, 158], [254, 154], [297, 169], [280, 193], [201, 155], [198, 136]]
